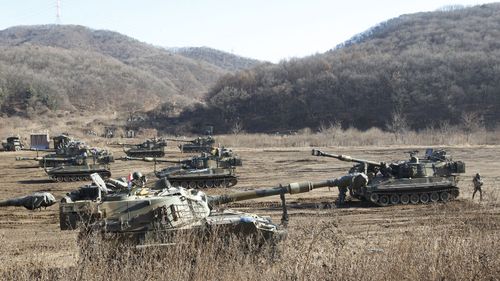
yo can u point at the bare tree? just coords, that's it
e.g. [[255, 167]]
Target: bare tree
[[472, 122], [398, 125], [237, 127]]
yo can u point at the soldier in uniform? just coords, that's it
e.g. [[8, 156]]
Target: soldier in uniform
[[478, 183]]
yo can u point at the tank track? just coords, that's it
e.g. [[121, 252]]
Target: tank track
[[387, 198], [205, 183], [79, 177]]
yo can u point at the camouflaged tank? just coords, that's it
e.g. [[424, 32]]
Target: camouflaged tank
[[77, 172], [154, 211], [199, 144], [71, 153], [149, 148], [217, 169], [420, 180]]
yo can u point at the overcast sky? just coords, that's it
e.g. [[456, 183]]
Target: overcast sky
[[262, 29]]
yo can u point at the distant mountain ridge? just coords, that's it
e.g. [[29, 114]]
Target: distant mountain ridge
[[74, 67], [216, 57], [428, 69]]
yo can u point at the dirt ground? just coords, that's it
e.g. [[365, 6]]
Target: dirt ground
[[28, 236]]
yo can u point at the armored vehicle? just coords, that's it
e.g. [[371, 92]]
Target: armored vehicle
[[431, 178], [78, 172], [149, 148], [12, 144], [157, 210], [72, 153], [199, 144], [204, 171]]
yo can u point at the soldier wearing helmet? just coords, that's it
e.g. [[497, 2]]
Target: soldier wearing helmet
[[138, 180], [478, 183]]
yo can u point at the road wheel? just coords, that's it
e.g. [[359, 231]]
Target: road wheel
[[414, 198], [405, 199], [374, 197], [444, 196], [233, 182], [210, 183], [394, 199], [184, 184], [424, 198], [192, 184], [217, 183], [434, 197], [383, 200], [200, 184]]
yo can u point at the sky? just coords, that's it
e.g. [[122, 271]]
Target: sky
[[270, 30]]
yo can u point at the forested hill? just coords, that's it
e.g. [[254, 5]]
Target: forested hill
[[219, 58], [424, 69], [76, 68]]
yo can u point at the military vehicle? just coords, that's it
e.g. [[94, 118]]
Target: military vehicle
[[34, 201], [205, 171], [199, 144], [156, 210], [149, 148], [72, 153], [12, 144], [432, 178], [77, 172]]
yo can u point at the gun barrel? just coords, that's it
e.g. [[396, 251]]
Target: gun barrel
[[148, 159], [19, 158], [346, 158], [176, 140], [292, 188]]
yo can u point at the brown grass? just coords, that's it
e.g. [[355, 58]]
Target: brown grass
[[467, 251], [354, 137]]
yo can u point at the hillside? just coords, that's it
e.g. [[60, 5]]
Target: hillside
[[418, 70], [221, 59], [64, 67]]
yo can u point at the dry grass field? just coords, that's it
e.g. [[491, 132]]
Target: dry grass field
[[454, 241]]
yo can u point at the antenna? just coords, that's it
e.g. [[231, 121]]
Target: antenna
[[58, 11]]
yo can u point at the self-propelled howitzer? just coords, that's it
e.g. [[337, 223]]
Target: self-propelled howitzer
[[199, 144], [430, 179], [156, 212], [203, 171]]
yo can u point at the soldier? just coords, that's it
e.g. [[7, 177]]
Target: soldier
[[478, 183]]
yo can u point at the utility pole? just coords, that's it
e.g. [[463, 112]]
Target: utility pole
[[58, 11]]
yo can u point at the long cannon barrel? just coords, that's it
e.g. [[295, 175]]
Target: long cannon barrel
[[150, 159], [40, 149], [293, 188], [346, 158], [177, 140], [19, 158]]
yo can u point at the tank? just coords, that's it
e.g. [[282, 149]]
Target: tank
[[217, 169], [72, 153], [159, 209], [420, 180], [12, 144], [149, 148], [77, 173], [199, 144]]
